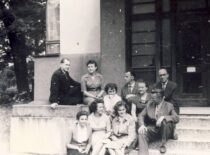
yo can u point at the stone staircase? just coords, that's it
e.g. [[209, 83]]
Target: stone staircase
[[193, 131]]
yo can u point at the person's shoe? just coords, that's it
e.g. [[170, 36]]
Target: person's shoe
[[162, 149], [175, 136]]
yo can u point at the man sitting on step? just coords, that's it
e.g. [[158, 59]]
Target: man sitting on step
[[156, 122]]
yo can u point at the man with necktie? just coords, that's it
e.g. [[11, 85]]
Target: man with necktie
[[156, 122], [129, 91], [169, 88]]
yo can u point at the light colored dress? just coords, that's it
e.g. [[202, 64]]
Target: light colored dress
[[93, 84], [124, 132], [100, 127], [110, 101], [80, 137]]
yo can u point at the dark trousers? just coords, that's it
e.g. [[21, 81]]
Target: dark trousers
[[74, 152], [154, 133], [73, 97]]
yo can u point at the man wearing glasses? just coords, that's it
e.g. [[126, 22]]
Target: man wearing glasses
[[169, 88]]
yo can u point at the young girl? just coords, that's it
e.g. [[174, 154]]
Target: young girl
[[111, 98]]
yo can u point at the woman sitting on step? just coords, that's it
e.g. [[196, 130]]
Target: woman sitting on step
[[80, 136]]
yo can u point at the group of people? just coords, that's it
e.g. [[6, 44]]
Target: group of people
[[116, 124]]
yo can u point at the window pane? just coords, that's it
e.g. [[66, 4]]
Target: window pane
[[166, 5], [147, 49], [143, 8], [146, 25], [147, 75], [143, 37], [143, 61], [166, 43], [53, 48], [135, 1], [190, 4]]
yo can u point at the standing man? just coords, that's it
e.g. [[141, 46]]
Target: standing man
[[169, 88], [64, 90], [157, 122], [129, 91]]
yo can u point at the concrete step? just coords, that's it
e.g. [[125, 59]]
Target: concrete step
[[194, 121], [195, 133], [189, 143], [174, 152]]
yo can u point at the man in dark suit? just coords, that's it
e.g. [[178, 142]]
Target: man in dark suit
[[169, 88], [129, 90], [156, 122], [64, 90]]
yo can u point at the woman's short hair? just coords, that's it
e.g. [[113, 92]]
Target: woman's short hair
[[92, 62], [94, 104], [81, 113], [118, 105], [110, 86]]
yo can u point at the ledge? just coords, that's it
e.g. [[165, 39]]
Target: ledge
[[44, 110]]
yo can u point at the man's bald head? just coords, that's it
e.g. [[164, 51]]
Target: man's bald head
[[163, 75]]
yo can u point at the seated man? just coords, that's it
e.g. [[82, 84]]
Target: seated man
[[64, 90], [169, 88], [157, 122], [129, 92]]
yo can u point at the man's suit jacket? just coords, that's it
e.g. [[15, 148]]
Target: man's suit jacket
[[125, 91], [63, 88], [147, 116], [169, 93]]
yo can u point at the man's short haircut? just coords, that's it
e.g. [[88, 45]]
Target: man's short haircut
[[132, 74], [81, 113], [110, 86], [143, 81], [63, 59], [93, 105], [92, 62], [163, 69], [157, 91]]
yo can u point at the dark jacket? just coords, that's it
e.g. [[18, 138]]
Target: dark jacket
[[63, 89], [169, 93]]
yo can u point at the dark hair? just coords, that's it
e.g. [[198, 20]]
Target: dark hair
[[81, 113], [94, 104], [157, 91], [120, 104], [92, 62], [132, 74], [110, 86], [63, 59], [142, 81]]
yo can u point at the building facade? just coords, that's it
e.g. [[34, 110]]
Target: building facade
[[138, 35]]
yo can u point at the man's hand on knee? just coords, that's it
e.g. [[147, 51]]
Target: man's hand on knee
[[142, 129], [159, 121]]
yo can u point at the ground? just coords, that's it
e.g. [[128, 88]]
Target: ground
[[5, 113]]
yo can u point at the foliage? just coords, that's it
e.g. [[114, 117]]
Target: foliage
[[29, 24]]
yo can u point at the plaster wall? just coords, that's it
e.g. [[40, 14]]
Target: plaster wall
[[113, 41]]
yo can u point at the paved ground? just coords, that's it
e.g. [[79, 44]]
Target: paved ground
[[5, 113]]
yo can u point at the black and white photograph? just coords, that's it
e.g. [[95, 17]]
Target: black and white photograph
[[105, 77]]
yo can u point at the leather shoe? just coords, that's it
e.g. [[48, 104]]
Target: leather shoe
[[162, 149], [175, 136]]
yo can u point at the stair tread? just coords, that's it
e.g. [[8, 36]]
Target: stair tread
[[192, 128], [176, 151]]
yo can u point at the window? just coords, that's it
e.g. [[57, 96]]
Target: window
[[53, 27]]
